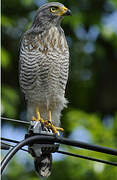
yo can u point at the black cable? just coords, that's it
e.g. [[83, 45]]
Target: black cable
[[75, 143], [7, 147], [9, 140], [87, 146], [13, 141], [14, 120], [88, 158], [80, 144], [52, 139], [71, 154], [14, 150]]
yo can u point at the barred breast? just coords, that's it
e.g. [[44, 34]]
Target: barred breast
[[44, 64]]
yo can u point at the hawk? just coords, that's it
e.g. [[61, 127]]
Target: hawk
[[44, 66]]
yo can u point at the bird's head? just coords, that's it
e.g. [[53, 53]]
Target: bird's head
[[51, 13]]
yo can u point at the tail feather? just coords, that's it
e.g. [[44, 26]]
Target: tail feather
[[43, 165]]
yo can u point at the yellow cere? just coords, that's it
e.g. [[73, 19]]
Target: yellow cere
[[63, 9]]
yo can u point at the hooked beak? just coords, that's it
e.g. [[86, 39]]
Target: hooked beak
[[64, 11], [68, 12]]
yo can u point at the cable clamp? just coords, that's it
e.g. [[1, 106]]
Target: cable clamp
[[37, 150]]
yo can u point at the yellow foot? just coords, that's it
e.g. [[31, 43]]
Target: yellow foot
[[48, 123], [54, 129]]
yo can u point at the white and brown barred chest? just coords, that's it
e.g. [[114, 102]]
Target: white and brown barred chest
[[47, 62]]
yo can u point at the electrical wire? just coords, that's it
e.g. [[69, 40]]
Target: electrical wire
[[72, 143], [13, 141], [88, 158], [85, 145], [9, 140], [52, 139], [15, 120], [74, 155], [39, 139], [76, 143], [10, 145], [5, 146]]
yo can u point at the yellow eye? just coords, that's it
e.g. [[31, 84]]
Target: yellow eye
[[53, 9]]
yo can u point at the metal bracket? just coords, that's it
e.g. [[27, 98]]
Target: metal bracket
[[37, 150]]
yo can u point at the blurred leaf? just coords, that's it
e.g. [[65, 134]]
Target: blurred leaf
[[10, 100], [76, 118], [27, 2], [6, 21], [114, 2], [17, 169], [5, 58], [107, 32]]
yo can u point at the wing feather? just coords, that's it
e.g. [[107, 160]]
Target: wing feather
[[29, 62]]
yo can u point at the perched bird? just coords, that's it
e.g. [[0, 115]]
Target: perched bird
[[44, 65]]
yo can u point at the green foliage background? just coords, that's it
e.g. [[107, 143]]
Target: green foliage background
[[91, 90]]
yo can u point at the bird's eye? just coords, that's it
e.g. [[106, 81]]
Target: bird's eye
[[53, 9]]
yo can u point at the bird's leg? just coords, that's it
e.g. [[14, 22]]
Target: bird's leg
[[38, 118], [50, 116]]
